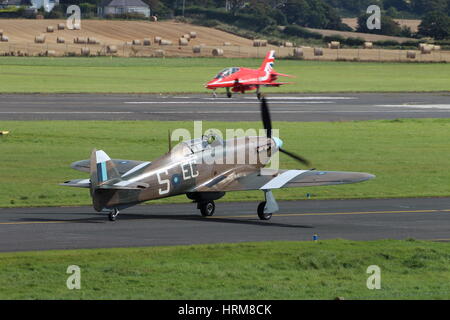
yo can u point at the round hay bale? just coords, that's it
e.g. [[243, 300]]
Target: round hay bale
[[60, 40], [187, 36], [196, 49], [4, 38], [421, 45], [61, 26], [183, 42], [259, 43], [411, 54], [136, 42], [50, 53], [165, 42], [159, 53], [111, 49], [50, 28], [226, 44], [334, 45], [217, 52], [288, 44], [146, 42], [85, 51], [298, 53], [368, 45], [318, 52], [92, 40], [436, 48], [193, 34], [154, 18], [157, 40], [80, 40], [426, 49], [39, 39]]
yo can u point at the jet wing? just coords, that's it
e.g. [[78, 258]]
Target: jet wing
[[268, 179], [122, 166]]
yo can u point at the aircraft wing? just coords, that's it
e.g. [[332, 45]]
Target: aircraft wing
[[122, 166], [268, 179]]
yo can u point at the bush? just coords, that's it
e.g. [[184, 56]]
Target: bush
[[386, 43], [353, 42], [296, 31]]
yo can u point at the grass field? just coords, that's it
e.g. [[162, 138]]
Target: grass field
[[266, 270], [181, 75], [409, 157]]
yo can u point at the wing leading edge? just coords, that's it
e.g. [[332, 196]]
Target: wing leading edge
[[276, 179]]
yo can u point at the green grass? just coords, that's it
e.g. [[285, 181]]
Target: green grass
[[176, 75], [409, 157], [266, 270]]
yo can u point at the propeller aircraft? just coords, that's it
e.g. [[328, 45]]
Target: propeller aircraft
[[237, 79], [116, 184]]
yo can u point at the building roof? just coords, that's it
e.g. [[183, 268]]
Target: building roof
[[13, 2], [124, 3]]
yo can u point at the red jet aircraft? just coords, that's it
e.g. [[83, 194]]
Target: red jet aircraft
[[236, 79]]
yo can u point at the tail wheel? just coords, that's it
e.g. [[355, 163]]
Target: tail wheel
[[261, 214], [207, 208], [113, 214]]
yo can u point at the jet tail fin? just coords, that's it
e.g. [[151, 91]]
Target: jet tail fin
[[268, 62]]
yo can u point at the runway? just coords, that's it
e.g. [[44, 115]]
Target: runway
[[23, 229], [284, 107]]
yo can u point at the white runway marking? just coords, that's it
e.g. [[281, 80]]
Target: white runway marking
[[416, 106], [305, 98], [225, 102]]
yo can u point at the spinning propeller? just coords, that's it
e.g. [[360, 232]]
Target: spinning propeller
[[267, 122]]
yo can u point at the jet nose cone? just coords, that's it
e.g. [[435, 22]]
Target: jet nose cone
[[278, 142]]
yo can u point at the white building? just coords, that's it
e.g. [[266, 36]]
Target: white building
[[48, 5], [116, 7]]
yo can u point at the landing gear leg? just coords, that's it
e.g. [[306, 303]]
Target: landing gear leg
[[268, 207], [258, 93], [207, 208], [113, 214], [214, 94], [229, 94]]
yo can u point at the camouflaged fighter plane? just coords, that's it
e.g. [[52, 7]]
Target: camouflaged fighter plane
[[198, 169]]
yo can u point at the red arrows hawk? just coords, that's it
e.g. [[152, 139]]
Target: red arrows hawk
[[237, 79]]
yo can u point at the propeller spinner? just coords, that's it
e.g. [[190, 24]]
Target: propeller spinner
[[267, 123]]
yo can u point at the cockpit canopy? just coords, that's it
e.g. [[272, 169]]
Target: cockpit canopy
[[226, 72], [198, 145]]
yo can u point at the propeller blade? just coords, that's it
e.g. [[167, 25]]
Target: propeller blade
[[296, 157], [265, 114]]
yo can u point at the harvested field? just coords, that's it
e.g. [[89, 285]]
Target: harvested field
[[121, 34], [365, 36], [412, 23]]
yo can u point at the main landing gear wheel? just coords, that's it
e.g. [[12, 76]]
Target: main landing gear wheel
[[113, 214], [229, 94], [261, 214], [207, 208]]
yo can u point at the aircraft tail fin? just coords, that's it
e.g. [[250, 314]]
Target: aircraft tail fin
[[102, 169], [104, 174], [268, 62]]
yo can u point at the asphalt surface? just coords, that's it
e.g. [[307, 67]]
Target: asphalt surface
[[180, 224], [284, 107]]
